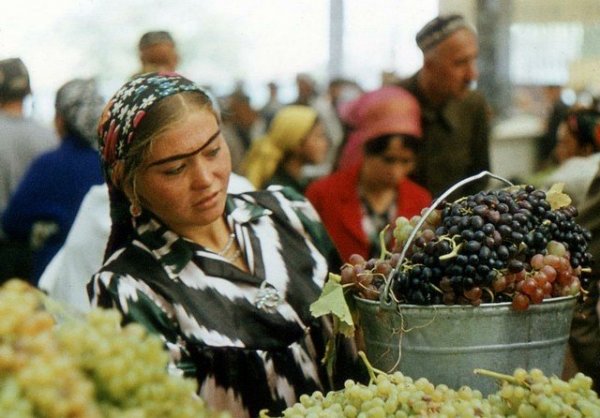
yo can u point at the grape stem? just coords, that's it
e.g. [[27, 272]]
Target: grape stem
[[500, 376], [372, 370], [384, 250], [453, 253]]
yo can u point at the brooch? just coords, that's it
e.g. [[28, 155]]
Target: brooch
[[267, 297]]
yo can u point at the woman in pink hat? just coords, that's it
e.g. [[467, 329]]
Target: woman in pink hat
[[371, 188]]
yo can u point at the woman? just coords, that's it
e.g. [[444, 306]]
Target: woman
[[226, 280], [295, 139], [372, 188], [44, 206], [577, 153]]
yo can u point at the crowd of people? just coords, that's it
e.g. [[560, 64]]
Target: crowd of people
[[215, 224]]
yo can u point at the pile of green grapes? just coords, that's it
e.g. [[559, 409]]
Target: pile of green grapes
[[84, 367], [524, 394]]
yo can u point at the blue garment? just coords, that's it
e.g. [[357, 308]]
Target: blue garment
[[51, 191]]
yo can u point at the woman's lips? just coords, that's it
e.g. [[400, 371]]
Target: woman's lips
[[207, 202]]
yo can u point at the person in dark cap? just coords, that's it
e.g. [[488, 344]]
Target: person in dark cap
[[21, 140], [455, 117], [158, 52]]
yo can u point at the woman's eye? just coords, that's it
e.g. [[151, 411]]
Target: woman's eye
[[175, 170], [214, 152]]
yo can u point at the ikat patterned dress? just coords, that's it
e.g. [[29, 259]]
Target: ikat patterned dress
[[248, 338]]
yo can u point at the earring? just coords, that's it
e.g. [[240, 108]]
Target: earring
[[135, 209]]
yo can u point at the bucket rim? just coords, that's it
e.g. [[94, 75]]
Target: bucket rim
[[395, 306]]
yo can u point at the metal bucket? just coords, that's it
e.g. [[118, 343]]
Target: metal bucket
[[446, 343]]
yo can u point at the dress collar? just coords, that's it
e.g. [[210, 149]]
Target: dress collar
[[173, 251]]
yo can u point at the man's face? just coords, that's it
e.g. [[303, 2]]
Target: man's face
[[159, 57], [452, 65]]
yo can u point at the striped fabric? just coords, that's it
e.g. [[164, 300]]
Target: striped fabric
[[245, 356]]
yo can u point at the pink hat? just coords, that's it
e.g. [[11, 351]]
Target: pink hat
[[385, 111]]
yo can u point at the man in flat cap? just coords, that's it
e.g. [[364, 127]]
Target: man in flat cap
[[21, 140], [455, 117]]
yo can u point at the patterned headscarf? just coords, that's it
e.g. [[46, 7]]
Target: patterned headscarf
[[289, 127], [80, 104], [116, 134]]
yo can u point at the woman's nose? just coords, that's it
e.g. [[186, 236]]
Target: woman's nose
[[201, 175]]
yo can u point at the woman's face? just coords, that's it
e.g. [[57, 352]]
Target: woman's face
[[385, 170], [184, 178], [567, 145], [314, 147]]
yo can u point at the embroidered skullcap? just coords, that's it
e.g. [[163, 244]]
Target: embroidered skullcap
[[389, 110], [14, 80], [117, 132], [439, 29], [290, 125], [155, 37], [80, 105]]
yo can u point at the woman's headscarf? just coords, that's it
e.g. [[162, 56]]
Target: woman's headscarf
[[116, 134], [288, 128], [390, 110], [80, 105]]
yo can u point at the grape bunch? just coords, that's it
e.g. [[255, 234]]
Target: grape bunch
[[532, 394], [84, 367], [523, 394], [507, 245], [392, 395]]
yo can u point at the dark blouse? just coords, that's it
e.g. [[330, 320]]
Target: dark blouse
[[216, 319]]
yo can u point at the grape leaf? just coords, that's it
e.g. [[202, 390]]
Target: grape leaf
[[332, 301], [556, 197]]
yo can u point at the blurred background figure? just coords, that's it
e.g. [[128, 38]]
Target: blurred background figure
[[295, 139], [43, 207], [455, 118], [583, 354], [307, 90], [158, 52], [547, 142], [371, 188], [21, 140], [273, 103], [241, 125], [327, 104], [576, 153]]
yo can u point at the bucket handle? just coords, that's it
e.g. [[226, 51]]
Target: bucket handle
[[386, 297]]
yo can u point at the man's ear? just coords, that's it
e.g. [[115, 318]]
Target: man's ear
[[60, 125]]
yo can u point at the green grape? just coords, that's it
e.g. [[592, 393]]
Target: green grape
[[84, 367]]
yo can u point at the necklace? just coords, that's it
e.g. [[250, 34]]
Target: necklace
[[226, 249], [227, 246]]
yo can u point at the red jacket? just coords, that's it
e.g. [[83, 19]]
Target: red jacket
[[336, 199]]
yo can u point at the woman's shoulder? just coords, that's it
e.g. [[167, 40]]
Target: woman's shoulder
[[346, 176], [132, 260], [415, 190]]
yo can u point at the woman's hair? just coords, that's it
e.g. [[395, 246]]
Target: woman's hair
[[290, 126], [159, 119], [584, 125], [380, 144]]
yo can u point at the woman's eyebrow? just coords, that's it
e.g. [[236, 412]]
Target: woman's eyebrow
[[186, 155]]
